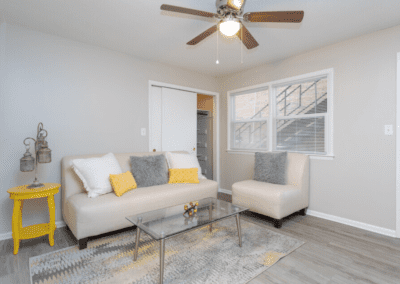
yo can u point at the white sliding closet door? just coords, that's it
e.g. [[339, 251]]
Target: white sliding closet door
[[179, 120], [155, 102]]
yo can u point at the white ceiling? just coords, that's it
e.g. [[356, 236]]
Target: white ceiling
[[140, 28]]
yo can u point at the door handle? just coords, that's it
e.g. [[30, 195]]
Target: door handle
[[154, 150], [194, 149]]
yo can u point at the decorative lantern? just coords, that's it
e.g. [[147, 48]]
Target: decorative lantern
[[27, 162], [42, 155]]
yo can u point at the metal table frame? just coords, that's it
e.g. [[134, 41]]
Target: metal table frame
[[162, 240]]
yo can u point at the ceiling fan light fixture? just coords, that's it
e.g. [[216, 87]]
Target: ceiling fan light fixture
[[229, 27]]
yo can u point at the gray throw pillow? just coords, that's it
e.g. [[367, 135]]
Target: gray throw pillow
[[270, 167], [149, 170]]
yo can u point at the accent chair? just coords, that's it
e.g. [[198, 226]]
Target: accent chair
[[275, 200]]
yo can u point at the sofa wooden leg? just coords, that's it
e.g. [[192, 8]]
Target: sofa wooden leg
[[302, 212], [83, 243], [278, 223]]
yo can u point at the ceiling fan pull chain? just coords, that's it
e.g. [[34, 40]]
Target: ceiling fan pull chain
[[217, 45]]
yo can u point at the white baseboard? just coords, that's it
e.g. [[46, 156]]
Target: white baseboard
[[8, 235], [60, 224], [5, 236], [356, 224], [360, 225], [225, 191]]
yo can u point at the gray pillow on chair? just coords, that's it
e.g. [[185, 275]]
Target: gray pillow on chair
[[149, 170], [270, 167]]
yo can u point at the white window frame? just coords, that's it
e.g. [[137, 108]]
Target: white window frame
[[328, 73]]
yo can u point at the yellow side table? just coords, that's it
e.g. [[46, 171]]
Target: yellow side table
[[21, 193]]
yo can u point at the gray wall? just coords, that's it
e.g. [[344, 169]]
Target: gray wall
[[359, 183], [90, 99]]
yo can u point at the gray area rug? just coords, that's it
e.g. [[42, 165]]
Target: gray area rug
[[197, 256]]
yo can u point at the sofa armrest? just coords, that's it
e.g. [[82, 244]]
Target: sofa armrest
[[70, 183]]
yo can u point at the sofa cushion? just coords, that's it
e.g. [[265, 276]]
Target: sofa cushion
[[183, 161], [122, 183], [274, 200], [183, 176], [270, 167], [149, 170], [91, 217], [95, 173]]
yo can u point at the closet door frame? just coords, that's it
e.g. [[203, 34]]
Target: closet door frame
[[216, 149]]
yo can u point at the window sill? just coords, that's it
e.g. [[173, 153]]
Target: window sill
[[312, 156]]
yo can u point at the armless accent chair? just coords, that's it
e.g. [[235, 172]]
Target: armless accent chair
[[276, 200]]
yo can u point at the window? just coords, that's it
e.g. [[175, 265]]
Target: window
[[250, 120], [292, 115]]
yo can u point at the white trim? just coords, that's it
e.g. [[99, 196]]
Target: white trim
[[226, 191], [60, 224], [356, 224], [329, 73], [217, 171], [8, 235], [348, 222], [251, 152], [398, 149], [302, 116], [5, 236]]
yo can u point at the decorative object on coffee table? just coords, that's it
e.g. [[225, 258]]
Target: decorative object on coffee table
[[192, 209], [24, 192], [42, 155]]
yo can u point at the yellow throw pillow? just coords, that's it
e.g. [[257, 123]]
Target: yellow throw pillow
[[183, 175], [122, 183]]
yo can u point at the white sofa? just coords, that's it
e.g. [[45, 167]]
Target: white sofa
[[275, 200], [88, 217]]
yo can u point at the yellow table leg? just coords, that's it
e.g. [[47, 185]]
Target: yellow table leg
[[16, 224], [52, 213]]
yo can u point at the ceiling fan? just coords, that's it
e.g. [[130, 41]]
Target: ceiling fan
[[230, 13]]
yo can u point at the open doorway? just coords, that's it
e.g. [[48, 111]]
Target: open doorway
[[205, 137]]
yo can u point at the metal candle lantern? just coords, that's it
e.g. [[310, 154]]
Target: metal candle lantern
[[42, 155]]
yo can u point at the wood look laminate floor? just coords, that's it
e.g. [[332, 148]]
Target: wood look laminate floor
[[333, 253]]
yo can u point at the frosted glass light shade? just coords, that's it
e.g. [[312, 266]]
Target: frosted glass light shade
[[229, 27]]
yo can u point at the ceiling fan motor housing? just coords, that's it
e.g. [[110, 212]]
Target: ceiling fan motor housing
[[227, 7]]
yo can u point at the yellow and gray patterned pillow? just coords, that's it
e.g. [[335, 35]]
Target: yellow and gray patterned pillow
[[183, 175], [122, 183]]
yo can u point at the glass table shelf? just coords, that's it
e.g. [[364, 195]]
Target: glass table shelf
[[170, 221]]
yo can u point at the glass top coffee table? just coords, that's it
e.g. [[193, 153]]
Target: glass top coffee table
[[167, 222]]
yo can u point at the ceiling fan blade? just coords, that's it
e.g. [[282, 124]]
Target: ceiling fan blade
[[187, 11], [203, 35], [247, 39], [274, 17]]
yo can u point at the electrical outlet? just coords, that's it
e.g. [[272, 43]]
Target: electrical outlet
[[389, 129], [143, 131]]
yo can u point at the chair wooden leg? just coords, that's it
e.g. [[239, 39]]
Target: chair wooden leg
[[278, 223], [83, 243], [302, 212]]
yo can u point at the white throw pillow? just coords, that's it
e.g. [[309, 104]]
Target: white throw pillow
[[183, 161], [95, 173]]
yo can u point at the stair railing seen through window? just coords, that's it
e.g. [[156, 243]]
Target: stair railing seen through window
[[296, 118]]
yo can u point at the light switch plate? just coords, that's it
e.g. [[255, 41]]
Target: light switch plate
[[389, 129], [143, 131]]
